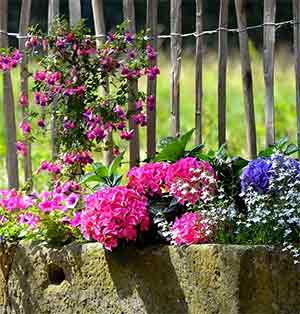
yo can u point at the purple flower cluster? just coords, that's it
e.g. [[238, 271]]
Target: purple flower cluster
[[257, 175], [259, 172]]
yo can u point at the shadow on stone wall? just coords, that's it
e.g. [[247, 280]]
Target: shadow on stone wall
[[149, 274]]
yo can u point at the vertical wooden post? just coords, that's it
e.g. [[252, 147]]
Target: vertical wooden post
[[99, 21], [75, 11], [296, 14], [246, 76], [152, 21], [53, 11], [222, 57], [176, 50], [134, 145], [9, 110], [198, 74], [269, 47], [23, 29]]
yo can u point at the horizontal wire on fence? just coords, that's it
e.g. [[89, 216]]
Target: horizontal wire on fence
[[277, 25]]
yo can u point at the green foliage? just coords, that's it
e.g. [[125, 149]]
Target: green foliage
[[281, 146], [174, 148], [103, 176]]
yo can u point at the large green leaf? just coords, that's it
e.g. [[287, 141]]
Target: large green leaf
[[291, 149], [174, 150], [116, 163], [100, 169], [90, 177]]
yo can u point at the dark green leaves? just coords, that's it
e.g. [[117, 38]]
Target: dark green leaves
[[282, 146], [174, 148], [102, 176]]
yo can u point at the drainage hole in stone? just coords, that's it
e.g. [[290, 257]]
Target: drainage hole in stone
[[56, 274]]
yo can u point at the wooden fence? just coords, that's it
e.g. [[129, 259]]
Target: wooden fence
[[269, 27]]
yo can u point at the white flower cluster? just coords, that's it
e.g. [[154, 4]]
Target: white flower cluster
[[279, 208]]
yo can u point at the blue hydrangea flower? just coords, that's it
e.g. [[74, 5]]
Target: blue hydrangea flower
[[259, 171], [257, 175]]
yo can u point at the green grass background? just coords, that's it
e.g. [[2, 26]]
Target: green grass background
[[236, 128]]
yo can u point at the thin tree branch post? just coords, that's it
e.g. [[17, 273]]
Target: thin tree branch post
[[53, 11], [247, 77], [198, 71], [134, 145], [75, 11], [176, 51], [99, 21], [222, 69], [152, 22], [9, 109], [23, 29], [269, 50], [296, 13]]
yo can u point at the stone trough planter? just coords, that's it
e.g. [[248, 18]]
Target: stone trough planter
[[208, 279]]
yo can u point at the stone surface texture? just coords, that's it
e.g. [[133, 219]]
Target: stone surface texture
[[208, 279]]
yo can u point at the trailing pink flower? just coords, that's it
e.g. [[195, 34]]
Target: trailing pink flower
[[25, 126], [152, 72], [126, 135], [22, 148], [190, 180], [149, 179], [76, 221], [23, 100], [81, 158], [190, 228], [113, 214], [51, 167], [29, 219], [151, 102], [11, 200], [10, 60]]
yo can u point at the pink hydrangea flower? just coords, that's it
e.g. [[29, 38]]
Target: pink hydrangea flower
[[148, 179], [189, 229], [112, 214], [191, 180]]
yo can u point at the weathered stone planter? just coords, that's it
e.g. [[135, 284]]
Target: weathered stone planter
[[36, 279]]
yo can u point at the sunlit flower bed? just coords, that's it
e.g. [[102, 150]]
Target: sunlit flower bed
[[181, 197]]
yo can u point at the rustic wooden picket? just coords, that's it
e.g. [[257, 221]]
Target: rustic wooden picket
[[176, 19], [9, 109], [23, 29]]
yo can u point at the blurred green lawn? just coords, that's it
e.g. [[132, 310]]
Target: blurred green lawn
[[236, 136]]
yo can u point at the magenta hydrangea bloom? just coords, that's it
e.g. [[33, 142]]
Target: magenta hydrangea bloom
[[189, 229], [148, 179], [190, 180], [112, 214]]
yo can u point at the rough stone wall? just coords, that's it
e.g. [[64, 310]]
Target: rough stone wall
[[208, 279]]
